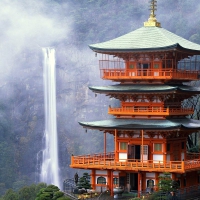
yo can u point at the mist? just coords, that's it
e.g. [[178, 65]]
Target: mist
[[69, 26]]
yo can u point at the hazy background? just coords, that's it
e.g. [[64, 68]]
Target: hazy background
[[69, 26]]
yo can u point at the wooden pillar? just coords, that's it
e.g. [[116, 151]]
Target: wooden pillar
[[116, 147], [93, 182], [181, 181], [111, 182], [156, 180], [173, 176], [142, 150], [139, 183], [108, 180], [144, 181], [164, 151], [185, 150], [151, 150]]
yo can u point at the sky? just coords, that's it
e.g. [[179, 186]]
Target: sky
[[28, 25]]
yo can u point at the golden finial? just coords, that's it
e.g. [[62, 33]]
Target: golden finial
[[152, 21]]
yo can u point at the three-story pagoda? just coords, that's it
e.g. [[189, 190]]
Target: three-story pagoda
[[153, 68]]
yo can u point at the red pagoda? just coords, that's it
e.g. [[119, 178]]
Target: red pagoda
[[153, 68]]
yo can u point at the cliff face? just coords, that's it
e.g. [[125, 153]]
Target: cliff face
[[22, 115], [73, 26]]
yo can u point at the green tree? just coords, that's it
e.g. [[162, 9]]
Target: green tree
[[51, 192], [165, 185], [11, 195], [25, 193], [84, 181], [193, 102], [165, 182]]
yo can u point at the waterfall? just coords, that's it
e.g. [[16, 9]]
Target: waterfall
[[50, 167]]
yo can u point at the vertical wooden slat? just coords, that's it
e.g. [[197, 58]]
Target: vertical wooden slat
[[142, 153], [139, 185], [93, 182], [116, 149]]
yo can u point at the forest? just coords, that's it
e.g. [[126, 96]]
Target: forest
[[69, 26]]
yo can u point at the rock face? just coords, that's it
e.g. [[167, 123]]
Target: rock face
[[22, 117], [21, 81]]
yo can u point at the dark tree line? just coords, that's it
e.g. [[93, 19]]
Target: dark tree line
[[193, 102]]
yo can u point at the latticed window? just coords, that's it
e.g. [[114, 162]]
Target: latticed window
[[115, 181], [145, 149], [123, 145], [101, 180], [157, 147]]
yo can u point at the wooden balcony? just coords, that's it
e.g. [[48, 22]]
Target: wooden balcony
[[107, 161], [192, 156], [122, 74], [149, 111]]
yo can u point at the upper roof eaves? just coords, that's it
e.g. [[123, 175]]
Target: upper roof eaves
[[145, 39]]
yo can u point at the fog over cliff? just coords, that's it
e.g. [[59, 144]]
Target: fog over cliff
[[69, 26]]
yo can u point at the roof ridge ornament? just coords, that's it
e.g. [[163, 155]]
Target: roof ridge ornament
[[152, 21]]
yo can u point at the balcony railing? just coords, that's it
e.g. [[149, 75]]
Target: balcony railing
[[150, 111], [192, 156], [107, 161], [122, 74]]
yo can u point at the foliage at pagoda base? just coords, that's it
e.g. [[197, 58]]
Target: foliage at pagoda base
[[84, 182], [51, 192], [166, 185]]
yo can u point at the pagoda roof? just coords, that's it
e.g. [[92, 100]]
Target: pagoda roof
[[148, 88], [143, 124], [146, 39]]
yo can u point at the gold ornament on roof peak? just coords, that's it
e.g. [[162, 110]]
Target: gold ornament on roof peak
[[152, 21]]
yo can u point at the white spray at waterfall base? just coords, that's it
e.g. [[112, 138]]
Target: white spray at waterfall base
[[50, 167]]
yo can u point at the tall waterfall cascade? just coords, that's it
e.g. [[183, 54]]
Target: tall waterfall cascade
[[50, 166]]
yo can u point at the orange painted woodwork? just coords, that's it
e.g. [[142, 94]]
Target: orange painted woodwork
[[120, 74], [158, 111], [149, 124]]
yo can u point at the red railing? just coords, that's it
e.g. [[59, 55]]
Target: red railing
[[185, 64], [192, 156], [150, 111], [122, 74], [105, 161], [100, 156], [192, 164]]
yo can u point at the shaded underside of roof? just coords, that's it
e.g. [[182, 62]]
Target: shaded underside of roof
[[146, 39], [143, 124], [151, 88]]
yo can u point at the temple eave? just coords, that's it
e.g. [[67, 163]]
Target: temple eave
[[123, 89], [143, 124], [173, 48]]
